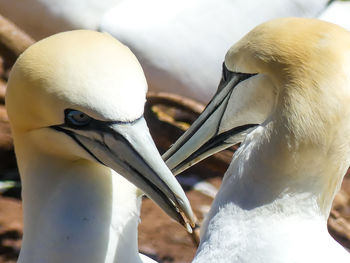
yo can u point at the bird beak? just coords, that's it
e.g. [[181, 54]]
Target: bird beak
[[129, 149], [205, 136]]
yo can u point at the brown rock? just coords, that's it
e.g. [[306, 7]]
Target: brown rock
[[2, 91], [13, 38], [11, 227], [6, 142]]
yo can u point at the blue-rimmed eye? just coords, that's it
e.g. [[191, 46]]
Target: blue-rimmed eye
[[78, 118]]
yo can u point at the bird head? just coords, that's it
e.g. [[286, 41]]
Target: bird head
[[80, 95], [290, 73]]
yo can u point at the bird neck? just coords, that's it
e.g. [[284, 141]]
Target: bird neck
[[76, 211], [272, 167], [270, 197]]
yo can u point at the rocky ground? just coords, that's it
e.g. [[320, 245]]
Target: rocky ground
[[159, 236], [168, 116]]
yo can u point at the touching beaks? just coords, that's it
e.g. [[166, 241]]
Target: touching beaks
[[127, 148], [205, 136]]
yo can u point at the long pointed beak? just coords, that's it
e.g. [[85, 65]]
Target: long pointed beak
[[204, 137], [129, 149]]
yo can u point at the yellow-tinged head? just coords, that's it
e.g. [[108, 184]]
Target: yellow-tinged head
[[286, 48], [84, 70], [78, 97], [307, 62], [292, 77]]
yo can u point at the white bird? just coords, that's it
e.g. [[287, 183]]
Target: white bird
[[179, 43], [338, 13], [75, 103], [285, 93]]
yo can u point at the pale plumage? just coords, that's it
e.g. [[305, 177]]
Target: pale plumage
[[284, 93], [338, 13], [75, 103], [179, 43]]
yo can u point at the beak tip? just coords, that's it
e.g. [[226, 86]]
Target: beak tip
[[186, 210], [189, 228]]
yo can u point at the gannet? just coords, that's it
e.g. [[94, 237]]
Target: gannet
[[285, 94], [75, 102], [180, 44]]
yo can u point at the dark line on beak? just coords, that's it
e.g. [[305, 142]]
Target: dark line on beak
[[215, 141], [122, 139], [71, 134], [104, 126], [223, 112], [158, 191], [239, 78], [119, 137]]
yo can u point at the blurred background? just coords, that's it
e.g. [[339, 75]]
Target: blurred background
[[181, 46]]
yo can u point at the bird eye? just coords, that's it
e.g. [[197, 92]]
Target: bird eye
[[78, 118]]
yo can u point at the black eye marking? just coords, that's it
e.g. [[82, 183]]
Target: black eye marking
[[224, 72], [76, 118], [227, 75], [79, 120]]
